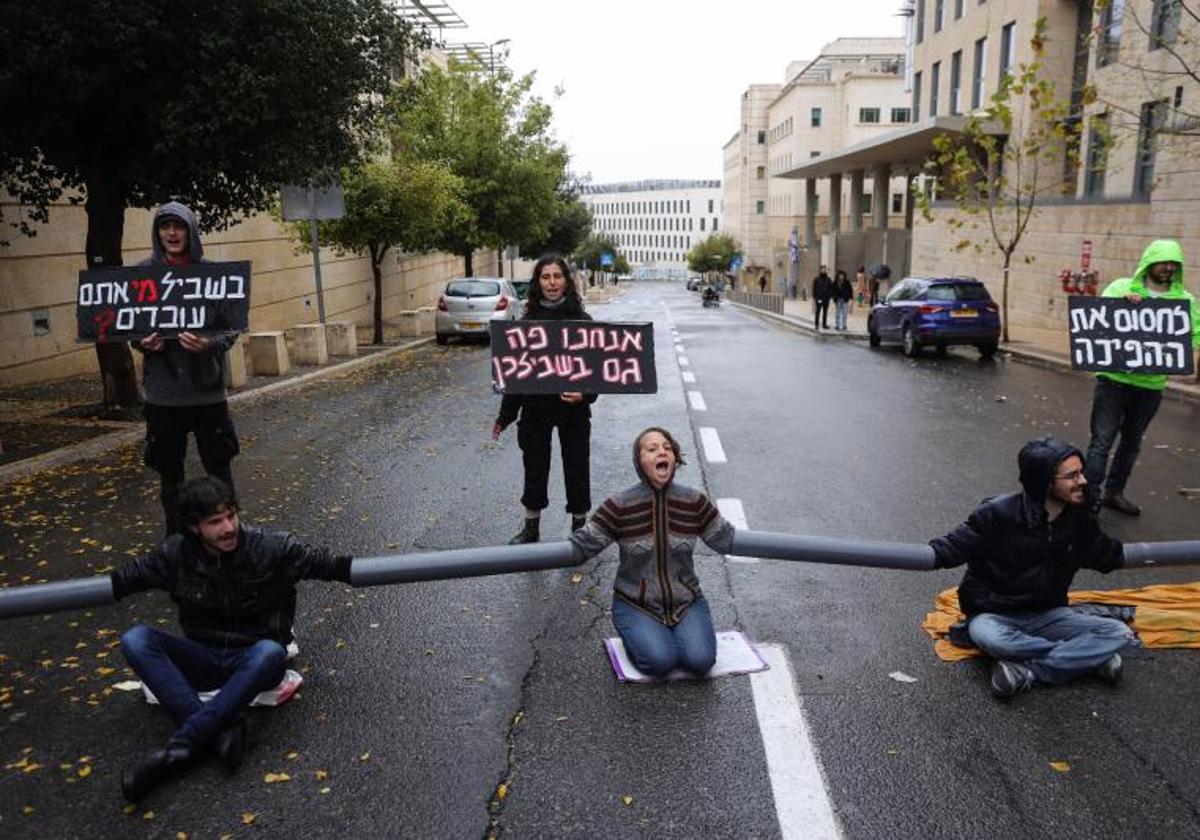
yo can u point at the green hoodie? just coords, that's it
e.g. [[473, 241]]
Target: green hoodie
[[1160, 250]]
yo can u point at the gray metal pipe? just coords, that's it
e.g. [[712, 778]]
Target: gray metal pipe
[[461, 562], [38, 598], [883, 555], [1178, 553]]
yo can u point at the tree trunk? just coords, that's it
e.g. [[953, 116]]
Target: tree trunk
[[1004, 298], [377, 274], [469, 263], [500, 262], [106, 227]]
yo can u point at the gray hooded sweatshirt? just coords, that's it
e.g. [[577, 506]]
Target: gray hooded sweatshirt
[[174, 376]]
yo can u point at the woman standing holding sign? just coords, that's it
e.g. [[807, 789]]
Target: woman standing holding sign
[[552, 296]]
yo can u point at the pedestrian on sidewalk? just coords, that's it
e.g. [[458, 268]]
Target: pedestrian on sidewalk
[[235, 586], [879, 274], [822, 290], [762, 284], [860, 285], [1125, 403], [843, 293], [552, 296], [1022, 551], [658, 608], [184, 377]]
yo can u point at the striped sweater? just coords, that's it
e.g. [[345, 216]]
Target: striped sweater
[[656, 531]]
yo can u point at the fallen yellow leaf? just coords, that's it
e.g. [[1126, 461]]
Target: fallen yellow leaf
[[149, 815], [576, 578], [628, 800], [180, 835], [321, 775], [292, 756], [85, 771], [365, 757], [129, 809], [1060, 766], [27, 810], [323, 790], [501, 791], [272, 778], [248, 818]]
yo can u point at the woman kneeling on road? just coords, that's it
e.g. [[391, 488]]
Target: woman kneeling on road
[[551, 297], [658, 608]]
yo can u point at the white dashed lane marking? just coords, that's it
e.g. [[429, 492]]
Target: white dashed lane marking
[[683, 361], [801, 800], [688, 376], [735, 515], [697, 401], [714, 453]]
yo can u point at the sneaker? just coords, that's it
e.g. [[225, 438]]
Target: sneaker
[[1010, 678], [1111, 670], [1119, 503]]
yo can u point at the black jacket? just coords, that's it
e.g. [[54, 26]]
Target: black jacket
[[238, 598], [1016, 558], [547, 408], [842, 290], [822, 287]]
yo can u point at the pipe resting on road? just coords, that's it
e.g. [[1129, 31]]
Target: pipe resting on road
[[39, 598]]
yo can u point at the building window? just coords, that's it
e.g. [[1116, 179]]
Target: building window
[[1149, 125], [920, 15], [816, 118], [1108, 40], [814, 154], [1006, 50], [760, 172], [977, 83], [958, 9], [935, 73], [868, 115], [897, 202], [956, 82], [939, 13], [715, 222], [710, 205], [1097, 157], [762, 137], [900, 115], [1164, 25], [916, 102], [701, 224], [867, 198]]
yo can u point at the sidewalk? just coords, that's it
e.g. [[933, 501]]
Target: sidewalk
[[1044, 348], [53, 423]]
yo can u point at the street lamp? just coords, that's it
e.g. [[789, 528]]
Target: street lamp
[[492, 55]]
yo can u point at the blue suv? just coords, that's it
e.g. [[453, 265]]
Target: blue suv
[[937, 312]]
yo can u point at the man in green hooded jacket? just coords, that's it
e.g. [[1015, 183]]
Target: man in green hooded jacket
[[1125, 403]]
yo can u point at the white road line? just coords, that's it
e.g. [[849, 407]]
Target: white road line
[[683, 361], [714, 453], [735, 514], [688, 376], [697, 401], [801, 801]]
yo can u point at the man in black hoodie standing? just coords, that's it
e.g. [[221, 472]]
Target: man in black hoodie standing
[[1022, 551], [822, 293], [184, 377]]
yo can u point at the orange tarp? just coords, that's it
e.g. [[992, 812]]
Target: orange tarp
[[1165, 615]]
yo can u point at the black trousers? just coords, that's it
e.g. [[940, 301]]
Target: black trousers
[[167, 429], [821, 317], [574, 439]]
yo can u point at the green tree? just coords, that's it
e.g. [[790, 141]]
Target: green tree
[[567, 227], [391, 203], [590, 253], [1006, 161], [494, 135], [127, 103], [715, 252]]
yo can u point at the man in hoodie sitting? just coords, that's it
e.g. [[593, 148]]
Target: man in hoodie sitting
[[1022, 551], [184, 377]]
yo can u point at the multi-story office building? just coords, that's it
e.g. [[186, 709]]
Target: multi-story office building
[[655, 223], [1123, 67]]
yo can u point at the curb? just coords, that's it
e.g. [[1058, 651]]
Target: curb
[[97, 446], [1173, 391]]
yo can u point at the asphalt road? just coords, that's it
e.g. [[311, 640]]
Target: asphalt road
[[472, 708]]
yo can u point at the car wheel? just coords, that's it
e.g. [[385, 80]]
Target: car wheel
[[940, 350], [987, 351], [908, 340], [873, 337], [441, 339]]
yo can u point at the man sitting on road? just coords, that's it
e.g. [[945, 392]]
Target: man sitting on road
[[235, 586], [1022, 551]]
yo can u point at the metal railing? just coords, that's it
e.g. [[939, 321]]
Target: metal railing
[[767, 301]]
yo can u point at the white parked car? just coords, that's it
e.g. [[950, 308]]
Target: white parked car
[[468, 304]]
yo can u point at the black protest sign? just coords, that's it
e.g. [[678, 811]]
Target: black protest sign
[[555, 357], [123, 304], [1116, 335]]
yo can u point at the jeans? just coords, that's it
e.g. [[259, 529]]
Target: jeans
[[177, 669], [656, 649], [1117, 408], [1058, 644], [841, 308]]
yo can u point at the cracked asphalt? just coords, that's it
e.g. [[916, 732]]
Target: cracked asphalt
[[487, 707]]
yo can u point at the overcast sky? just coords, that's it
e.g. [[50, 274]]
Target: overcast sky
[[651, 88]]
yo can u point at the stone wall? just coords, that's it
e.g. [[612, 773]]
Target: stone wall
[[38, 278]]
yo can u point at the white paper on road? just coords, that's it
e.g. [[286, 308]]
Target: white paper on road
[[900, 676], [735, 655], [276, 696]]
